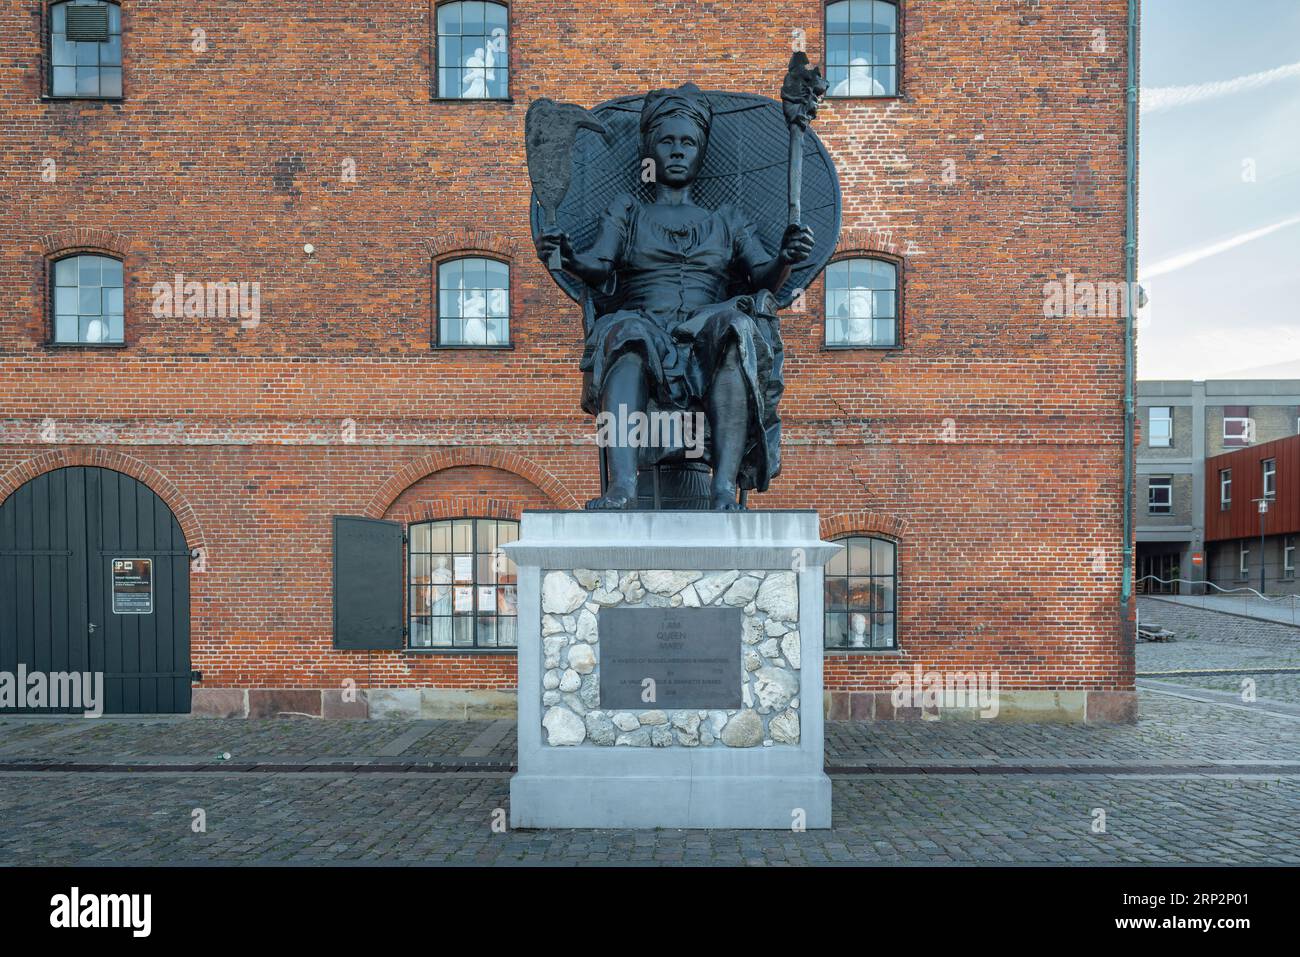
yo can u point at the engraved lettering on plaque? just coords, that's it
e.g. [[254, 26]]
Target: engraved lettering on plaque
[[692, 655]]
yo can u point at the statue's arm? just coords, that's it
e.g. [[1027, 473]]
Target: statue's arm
[[765, 270], [595, 265]]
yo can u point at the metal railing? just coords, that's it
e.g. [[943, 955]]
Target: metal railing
[[1282, 608]]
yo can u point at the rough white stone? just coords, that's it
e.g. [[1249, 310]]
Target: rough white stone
[[551, 625], [706, 738], [741, 592], [575, 703], [563, 727], [654, 717], [751, 608], [774, 627], [589, 693], [770, 648], [747, 696], [625, 721], [570, 624], [668, 582], [752, 661], [551, 697], [775, 687], [607, 596], [745, 730], [582, 658], [779, 596], [717, 721], [751, 630], [587, 578], [790, 648], [551, 680], [587, 630], [570, 680], [686, 721], [611, 580], [690, 597], [784, 727], [661, 737], [634, 739], [711, 586], [561, 594], [552, 646]]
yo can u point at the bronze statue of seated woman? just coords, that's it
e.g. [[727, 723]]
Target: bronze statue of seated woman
[[681, 338]]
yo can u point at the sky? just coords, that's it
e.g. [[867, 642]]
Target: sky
[[1219, 209]]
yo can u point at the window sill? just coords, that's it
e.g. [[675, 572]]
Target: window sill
[[84, 345], [897, 652], [862, 348], [472, 99], [437, 347], [49, 98], [850, 97], [459, 651]]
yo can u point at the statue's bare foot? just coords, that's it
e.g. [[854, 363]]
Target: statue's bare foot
[[724, 499], [615, 497]]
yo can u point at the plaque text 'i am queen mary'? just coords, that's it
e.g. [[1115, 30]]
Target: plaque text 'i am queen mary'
[[691, 654]]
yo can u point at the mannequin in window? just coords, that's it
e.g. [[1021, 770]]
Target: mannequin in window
[[856, 313], [859, 82], [858, 630], [440, 580], [474, 310], [479, 71]]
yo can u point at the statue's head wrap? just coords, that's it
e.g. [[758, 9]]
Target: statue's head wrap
[[687, 100]]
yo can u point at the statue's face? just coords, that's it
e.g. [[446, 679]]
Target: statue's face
[[677, 149]]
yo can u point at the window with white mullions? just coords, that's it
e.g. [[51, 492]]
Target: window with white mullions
[[1160, 495], [1225, 488], [473, 51], [1160, 427], [85, 49], [462, 587], [1270, 478]]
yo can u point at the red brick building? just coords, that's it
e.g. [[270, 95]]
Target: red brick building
[[326, 153]]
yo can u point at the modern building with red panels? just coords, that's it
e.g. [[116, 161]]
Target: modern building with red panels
[[1248, 547], [270, 264]]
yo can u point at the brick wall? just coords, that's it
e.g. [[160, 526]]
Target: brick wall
[[989, 445]]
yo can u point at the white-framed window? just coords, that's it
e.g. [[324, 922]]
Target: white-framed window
[[1270, 478], [1160, 495], [1160, 428], [1288, 556], [1225, 488], [1243, 559], [1238, 430]]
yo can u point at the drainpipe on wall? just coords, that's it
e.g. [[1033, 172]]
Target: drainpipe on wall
[[1130, 279]]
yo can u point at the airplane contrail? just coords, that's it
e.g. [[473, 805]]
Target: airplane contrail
[[1160, 98], [1182, 260]]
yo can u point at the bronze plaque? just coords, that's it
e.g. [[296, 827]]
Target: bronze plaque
[[692, 656]]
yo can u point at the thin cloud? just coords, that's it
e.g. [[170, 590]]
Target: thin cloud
[[1160, 98], [1183, 260]]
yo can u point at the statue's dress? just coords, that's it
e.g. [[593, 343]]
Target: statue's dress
[[670, 286]]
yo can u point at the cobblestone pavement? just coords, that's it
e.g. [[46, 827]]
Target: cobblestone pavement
[[1162, 799]]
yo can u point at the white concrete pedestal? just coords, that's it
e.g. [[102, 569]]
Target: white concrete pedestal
[[687, 779]]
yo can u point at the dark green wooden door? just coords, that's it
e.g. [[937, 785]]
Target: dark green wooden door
[[94, 577]]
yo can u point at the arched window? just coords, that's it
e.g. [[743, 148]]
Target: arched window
[[86, 298], [473, 51], [473, 303], [462, 586], [85, 49], [860, 595], [862, 303], [862, 48]]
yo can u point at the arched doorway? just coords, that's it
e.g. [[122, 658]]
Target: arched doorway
[[94, 579]]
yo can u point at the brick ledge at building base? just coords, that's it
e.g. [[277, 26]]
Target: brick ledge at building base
[[405, 704]]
